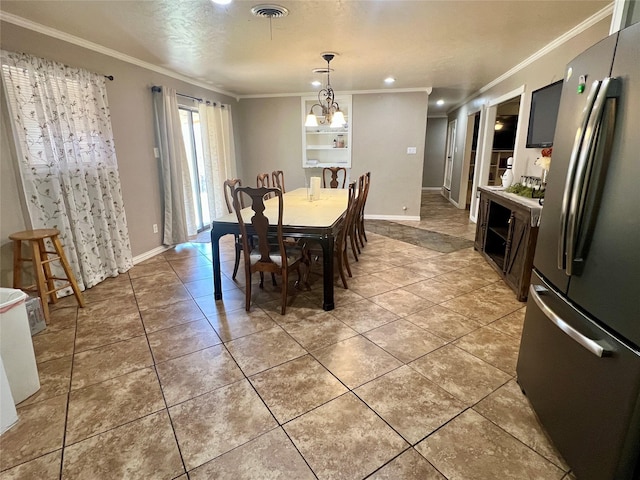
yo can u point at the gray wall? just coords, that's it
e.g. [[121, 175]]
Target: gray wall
[[268, 135], [384, 125], [132, 119], [434, 152], [541, 72], [270, 139]]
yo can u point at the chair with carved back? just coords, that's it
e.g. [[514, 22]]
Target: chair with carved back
[[341, 239], [263, 180], [277, 176], [364, 183], [229, 186], [352, 228], [334, 181], [264, 256]]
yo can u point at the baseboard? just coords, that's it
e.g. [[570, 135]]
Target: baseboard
[[394, 218], [431, 189], [454, 203], [151, 253]]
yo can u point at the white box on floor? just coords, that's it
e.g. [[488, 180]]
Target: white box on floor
[[8, 413], [16, 347]]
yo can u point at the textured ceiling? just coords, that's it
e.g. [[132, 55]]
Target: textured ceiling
[[454, 46]]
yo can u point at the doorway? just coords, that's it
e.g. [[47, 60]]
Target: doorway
[[450, 150], [504, 139], [497, 139], [473, 129], [190, 123]]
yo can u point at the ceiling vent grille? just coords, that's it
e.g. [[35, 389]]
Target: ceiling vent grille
[[269, 11]]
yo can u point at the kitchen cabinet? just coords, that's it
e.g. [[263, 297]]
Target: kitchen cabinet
[[506, 235], [323, 146]]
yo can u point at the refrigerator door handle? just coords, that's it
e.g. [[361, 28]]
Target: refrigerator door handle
[[575, 153], [592, 346], [583, 167]]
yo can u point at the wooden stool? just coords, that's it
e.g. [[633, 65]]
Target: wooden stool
[[41, 259]]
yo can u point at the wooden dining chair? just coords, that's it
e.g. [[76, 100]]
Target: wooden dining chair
[[229, 186], [335, 173], [341, 239], [352, 226], [264, 256], [364, 183], [263, 180], [278, 179]]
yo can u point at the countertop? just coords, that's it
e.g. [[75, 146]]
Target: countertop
[[530, 203]]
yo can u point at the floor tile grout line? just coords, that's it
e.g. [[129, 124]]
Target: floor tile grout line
[[278, 424], [513, 436], [223, 343], [66, 416], [155, 369]]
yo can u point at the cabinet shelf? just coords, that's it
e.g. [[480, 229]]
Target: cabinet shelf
[[312, 164], [319, 143], [333, 132], [497, 258], [325, 147], [507, 238], [502, 232]]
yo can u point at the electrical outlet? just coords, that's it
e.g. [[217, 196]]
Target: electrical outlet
[[156, 152], [155, 228], [411, 150]]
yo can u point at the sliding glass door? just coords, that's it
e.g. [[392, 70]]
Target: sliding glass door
[[190, 121]]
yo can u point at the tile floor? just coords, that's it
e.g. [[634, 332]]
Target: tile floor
[[410, 377]]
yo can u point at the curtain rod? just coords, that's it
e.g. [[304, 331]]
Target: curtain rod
[[156, 88]]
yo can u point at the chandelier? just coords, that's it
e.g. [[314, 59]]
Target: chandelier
[[331, 113]]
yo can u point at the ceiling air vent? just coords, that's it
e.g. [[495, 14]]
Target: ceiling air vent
[[269, 11]]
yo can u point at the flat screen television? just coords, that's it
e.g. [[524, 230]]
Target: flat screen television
[[543, 115]]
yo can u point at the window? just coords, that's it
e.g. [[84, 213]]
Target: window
[[190, 121]]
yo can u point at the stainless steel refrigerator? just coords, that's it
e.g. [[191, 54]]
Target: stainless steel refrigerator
[[579, 362]]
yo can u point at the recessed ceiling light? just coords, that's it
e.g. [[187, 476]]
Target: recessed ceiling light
[[222, 2], [440, 102], [389, 80], [316, 83]]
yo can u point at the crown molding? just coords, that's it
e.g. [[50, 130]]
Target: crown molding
[[428, 91], [80, 42], [565, 37]]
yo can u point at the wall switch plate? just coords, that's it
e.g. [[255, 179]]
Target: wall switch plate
[[411, 150], [156, 152], [155, 228]]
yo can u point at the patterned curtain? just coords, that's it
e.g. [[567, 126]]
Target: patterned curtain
[[177, 193], [67, 161], [219, 153]]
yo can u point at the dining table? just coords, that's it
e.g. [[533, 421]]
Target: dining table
[[315, 218]]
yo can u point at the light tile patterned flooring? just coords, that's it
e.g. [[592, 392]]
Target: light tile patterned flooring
[[410, 377]]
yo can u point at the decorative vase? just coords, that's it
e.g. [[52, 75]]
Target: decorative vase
[[545, 172], [507, 176]]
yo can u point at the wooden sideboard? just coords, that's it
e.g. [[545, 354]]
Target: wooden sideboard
[[506, 235]]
